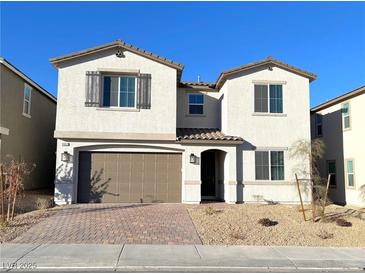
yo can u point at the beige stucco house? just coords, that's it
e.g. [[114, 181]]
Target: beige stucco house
[[129, 130], [340, 123], [27, 123]]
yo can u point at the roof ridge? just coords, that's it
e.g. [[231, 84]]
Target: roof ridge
[[26, 78], [267, 60], [340, 98], [115, 43]]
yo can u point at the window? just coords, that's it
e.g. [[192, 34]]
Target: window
[[318, 122], [277, 165], [276, 98], [346, 116], [269, 168], [262, 165], [119, 91], [261, 104], [27, 99], [196, 104], [350, 173], [269, 98], [331, 169]]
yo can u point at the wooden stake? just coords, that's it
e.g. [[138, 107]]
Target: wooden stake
[[2, 194], [300, 197], [325, 196], [15, 192], [313, 203]]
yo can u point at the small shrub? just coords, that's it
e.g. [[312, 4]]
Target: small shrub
[[237, 236], [210, 211], [343, 222], [267, 222], [323, 234]]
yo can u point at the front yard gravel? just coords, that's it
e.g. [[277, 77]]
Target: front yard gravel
[[238, 225]]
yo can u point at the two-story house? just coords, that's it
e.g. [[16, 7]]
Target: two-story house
[[129, 130], [27, 124], [340, 123]]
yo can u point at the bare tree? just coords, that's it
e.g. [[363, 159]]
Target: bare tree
[[12, 178], [310, 152]]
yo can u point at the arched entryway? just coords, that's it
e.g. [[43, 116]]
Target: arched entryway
[[212, 175]]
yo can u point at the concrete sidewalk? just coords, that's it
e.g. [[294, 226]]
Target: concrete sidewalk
[[172, 258]]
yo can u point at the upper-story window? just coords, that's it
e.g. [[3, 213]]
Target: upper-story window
[[318, 123], [119, 91], [124, 90], [269, 98], [346, 116], [196, 103], [27, 100]]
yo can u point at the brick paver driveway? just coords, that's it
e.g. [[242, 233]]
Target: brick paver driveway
[[115, 224]]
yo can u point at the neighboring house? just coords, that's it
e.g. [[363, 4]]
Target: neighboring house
[[27, 123], [129, 130], [340, 123]]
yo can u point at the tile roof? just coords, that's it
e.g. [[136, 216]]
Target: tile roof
[[204, 86], [207, 84], [204, 134]]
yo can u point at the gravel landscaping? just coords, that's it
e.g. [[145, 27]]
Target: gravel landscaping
[[222, 224]]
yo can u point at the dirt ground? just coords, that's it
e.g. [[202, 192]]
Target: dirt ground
[[238, 225], [34, 199]]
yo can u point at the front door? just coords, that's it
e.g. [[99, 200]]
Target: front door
[[208, 174]]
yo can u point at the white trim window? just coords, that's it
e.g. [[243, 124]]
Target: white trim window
[[269, 165], [268, 98], [196, 104], [319, 125], [27, 99], [350, 175], [346, 116], [119, 91]]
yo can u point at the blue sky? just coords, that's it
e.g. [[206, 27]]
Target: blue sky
[[327, 38]]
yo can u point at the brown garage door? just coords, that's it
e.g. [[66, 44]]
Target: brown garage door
[[129, 177]]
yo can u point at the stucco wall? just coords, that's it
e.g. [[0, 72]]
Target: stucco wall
[[67, 172], [72, 115], [267, 131], [210, 118], [345, 144], [29, 139]]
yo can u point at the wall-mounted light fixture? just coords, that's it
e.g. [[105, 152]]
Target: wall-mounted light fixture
[[194, 159], [65, 156]]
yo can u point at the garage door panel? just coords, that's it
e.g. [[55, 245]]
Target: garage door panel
[[129, 177], [161, 168], [161, 197]]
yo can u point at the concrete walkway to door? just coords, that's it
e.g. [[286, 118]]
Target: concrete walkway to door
[[115, 224]]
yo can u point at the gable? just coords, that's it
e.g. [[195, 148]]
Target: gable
[[118, 48], [267, 63]]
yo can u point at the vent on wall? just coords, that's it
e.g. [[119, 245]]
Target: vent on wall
[[119, 53]]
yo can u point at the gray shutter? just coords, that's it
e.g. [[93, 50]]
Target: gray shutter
[[144, 91], [93, 89]]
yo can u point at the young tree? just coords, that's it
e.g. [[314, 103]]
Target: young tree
[[310, 152], [12, 178]]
